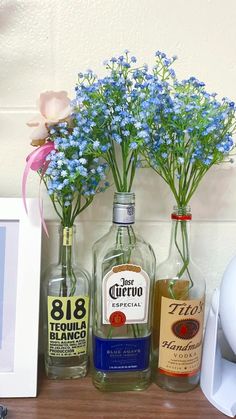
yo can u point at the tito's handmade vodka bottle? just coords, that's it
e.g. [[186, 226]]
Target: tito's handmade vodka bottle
[[178, 312], [124, 269]]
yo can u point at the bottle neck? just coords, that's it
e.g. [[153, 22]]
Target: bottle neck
[[180, 235], [124, 209], [67, 245]]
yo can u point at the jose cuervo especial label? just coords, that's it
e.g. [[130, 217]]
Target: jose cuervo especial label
[[125, 301], [125, 295]]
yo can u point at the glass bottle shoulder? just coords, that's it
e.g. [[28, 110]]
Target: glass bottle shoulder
[[118, 236], [172, 269], [54, 270], [122, 245], [76, 277]]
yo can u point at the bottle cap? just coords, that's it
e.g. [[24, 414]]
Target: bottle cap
[[181, 213], [124, 208]]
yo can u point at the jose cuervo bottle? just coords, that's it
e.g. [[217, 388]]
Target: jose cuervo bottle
[[124, 269]]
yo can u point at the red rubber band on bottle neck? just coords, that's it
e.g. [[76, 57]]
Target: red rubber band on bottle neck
[[184, 217]]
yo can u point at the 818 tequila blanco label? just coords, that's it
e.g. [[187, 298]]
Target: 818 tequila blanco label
[[125, 295], [67, 325]]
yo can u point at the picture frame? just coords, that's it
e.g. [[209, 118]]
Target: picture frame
[[20, 259]]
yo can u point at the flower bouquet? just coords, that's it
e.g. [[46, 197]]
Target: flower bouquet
[[189, 131], [108, 117], [72, 177]]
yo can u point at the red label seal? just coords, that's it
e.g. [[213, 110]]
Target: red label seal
[[117, 319], [186, 329]]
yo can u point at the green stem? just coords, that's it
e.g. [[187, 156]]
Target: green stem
[[183, 250], [67, 270], [124, 163], [115, 172], [125, 260], [63, 286], [133, 170]]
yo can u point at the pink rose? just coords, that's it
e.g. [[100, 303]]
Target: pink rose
[[53, 107]]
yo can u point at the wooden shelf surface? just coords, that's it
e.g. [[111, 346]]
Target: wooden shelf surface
[[78, 399]]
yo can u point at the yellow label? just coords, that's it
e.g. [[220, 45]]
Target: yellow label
[[68, 325], [67, 236], [181, 330]]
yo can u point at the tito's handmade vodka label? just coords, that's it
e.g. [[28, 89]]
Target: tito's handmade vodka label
[[125, 295], [181, 330]]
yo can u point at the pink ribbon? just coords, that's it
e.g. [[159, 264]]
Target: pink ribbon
[[35, 161]]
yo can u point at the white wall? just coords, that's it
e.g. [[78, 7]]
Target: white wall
[[45, 43]]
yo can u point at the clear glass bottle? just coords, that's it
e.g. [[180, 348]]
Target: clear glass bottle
[[178, 312], [124, 269], [66, 290]]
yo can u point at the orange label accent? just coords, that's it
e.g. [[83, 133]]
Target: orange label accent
[[180, 342], [172, 374], [131, 268]]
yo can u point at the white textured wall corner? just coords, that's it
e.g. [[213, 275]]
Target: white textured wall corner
[[44, 43]]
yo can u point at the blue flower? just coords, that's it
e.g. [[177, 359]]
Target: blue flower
[[133, 145], [126, 133], [117, 138], [96, 144]]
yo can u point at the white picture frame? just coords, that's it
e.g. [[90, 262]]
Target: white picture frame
[[20, 258]]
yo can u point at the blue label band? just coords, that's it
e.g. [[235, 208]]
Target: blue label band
[[121, 354]]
